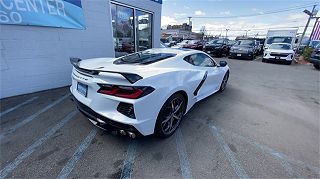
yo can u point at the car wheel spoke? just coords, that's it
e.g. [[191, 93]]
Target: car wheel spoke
[[167, 119], [177, 108], [173, 118]]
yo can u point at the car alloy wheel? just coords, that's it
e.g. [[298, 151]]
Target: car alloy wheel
[[170, 115], [174, 113]]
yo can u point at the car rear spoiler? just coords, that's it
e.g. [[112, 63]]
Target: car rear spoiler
[[131, 77]]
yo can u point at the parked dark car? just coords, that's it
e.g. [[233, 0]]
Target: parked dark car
[[315, 57], [231, 43], [244, 49], [217, 47], [194, 44]]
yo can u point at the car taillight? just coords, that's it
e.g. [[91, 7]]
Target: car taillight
[[129, 92]]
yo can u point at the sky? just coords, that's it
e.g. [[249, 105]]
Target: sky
[[231, 14]]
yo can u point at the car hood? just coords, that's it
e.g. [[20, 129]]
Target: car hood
[[279, 51], [242, 47], [214, 45]]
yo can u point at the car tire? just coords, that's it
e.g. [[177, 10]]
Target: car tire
[[316, 66], [170, 115], [263, 60], [224, 82], [288, 62], [253, 57]]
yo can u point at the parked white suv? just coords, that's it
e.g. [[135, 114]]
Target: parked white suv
[[281, 52]]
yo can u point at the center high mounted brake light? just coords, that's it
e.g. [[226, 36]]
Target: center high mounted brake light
[[129, 92]]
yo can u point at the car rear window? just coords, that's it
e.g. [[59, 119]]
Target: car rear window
[[144, 57]]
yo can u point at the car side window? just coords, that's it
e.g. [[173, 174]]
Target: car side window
[[200, 60]]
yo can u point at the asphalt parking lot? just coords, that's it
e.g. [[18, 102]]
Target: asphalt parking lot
[[265, 125]]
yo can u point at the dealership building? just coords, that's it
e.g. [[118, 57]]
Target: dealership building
[[37, 37]]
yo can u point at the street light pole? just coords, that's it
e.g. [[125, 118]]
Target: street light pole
[[227, 32], [306, 27], [247, 32]]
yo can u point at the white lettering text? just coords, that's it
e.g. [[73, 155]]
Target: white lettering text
[[9, 7], [18, 3], [32, 4]]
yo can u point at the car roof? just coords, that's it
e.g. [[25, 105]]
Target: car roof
[[178, 51]]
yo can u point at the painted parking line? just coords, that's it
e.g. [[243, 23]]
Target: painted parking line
[[127, 167], [33, 116], [183, 156], [236, 165], [18, 106], [67, 169], [283, 158], [20, 158]]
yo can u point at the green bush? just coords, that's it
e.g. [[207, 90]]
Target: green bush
[[307, 53]]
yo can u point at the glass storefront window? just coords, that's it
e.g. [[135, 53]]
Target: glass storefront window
[[130, 34], [144, 27], [123, 29]]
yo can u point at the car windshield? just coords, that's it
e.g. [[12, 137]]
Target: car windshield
[[314, 43], [219, 41], [184, 41], [279, 40], [193, 42], [280, 46], [231, 42], [245, 42], [143, 57]]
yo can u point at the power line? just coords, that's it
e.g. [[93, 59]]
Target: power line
[[254, 14], [252, 29]]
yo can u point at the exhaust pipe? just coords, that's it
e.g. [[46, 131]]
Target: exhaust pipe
[[122, 132], [132, 135]]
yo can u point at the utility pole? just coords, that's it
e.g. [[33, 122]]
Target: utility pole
[[191, 27], [310, 14], [189, 20], [247, 32], [227, 33]]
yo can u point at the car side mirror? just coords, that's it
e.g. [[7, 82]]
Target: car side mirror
[[223, 63]]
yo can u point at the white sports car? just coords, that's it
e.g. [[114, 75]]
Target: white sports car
[[145, 92]]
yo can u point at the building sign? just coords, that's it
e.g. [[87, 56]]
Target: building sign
[[53, 13]]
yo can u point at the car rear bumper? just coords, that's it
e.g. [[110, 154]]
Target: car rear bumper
[[102, 121], [96, 106]]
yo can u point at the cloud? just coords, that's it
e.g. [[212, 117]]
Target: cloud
[[225, 13], [259, 11], [297, 16], [166, 20], [199, 13], [179, 15], [186, 7]]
